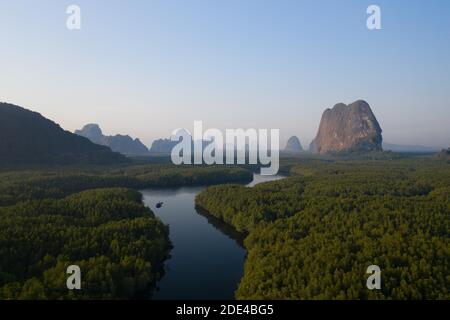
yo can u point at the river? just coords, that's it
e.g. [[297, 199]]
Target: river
[[208, 257]]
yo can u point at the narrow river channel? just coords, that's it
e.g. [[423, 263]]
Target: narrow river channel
[[208, 258]]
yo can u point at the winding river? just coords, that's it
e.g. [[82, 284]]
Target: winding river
[[208, 257]]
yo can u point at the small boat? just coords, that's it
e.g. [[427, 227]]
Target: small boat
[[159, 205]]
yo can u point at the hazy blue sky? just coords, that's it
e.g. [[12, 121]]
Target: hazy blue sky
[[148, 67]]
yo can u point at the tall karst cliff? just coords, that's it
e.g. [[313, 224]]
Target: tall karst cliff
[[350, 127]]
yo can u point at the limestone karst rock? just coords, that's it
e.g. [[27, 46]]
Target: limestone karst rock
[[350, 127], [293, 145], [163, 146], [119, 143]]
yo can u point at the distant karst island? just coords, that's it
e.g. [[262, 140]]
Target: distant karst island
[[163, 146], [119, 143], [293, 145]]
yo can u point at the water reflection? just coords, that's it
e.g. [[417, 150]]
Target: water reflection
[[204, 263]]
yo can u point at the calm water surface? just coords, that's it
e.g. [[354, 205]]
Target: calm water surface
[[208, 258]]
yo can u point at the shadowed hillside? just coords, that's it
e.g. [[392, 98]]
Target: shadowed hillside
[[27, 137]]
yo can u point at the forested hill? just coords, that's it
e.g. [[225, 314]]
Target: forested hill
[[27, 137]]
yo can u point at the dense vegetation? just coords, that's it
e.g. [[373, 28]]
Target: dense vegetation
[[312, 235], [117, 242], [29, 138], [47, 222], [25, 185]]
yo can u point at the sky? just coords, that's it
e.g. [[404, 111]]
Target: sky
[[145, 68]]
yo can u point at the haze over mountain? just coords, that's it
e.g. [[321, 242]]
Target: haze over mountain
[[163, 146], [118, 143], [26, 137], [261, 71], [409, 148], [348, 128], [293, 145]]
